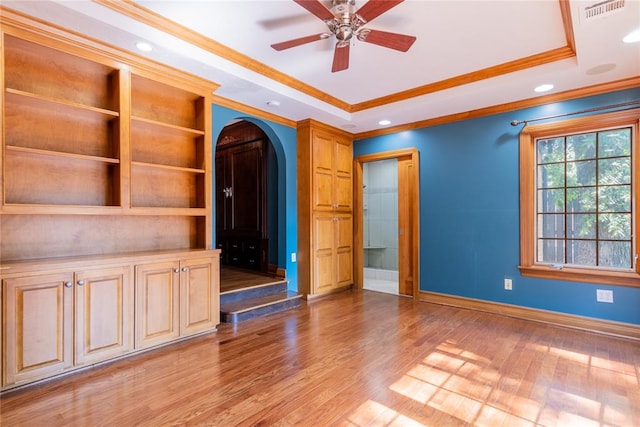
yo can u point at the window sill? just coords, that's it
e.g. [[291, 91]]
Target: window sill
[[619, 278]]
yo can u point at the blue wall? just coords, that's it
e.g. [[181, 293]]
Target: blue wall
[[469, 214], [283, 139]]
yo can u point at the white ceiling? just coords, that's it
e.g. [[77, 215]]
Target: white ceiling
[[455, 38]]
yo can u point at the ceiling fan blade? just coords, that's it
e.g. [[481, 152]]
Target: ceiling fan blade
[[340, 58], [315, 7], [395, 41], [374, 8], [299, 41]]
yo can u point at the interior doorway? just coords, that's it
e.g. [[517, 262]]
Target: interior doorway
[[386, 230], [246, 198]]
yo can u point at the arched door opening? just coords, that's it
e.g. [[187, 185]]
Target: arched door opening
[[246, 198]]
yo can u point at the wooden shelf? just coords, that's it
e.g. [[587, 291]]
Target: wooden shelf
[[167, 167], [167, 127], [49, 102], [52, 74], [97, 159], [40, 152], [167, 105]]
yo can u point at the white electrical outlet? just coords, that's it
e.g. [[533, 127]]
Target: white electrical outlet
[[508, 284], [603, 295], [293, 257]]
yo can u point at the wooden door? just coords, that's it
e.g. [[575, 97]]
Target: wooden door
[[343, 226], [157, 303], [342, 179], [103, 314], [322, 155], [323, 237], [248, 191], [406, 236], [199, 310], [38, 326]]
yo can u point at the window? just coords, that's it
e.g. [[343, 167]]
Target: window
[[578, 199]]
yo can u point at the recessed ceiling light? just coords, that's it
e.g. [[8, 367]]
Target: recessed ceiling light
[[273, 103], [144, 46], [384, 122], [632, 37], [543, 88]]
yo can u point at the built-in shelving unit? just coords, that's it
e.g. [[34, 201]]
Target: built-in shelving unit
[[105, 203], [100, 158]]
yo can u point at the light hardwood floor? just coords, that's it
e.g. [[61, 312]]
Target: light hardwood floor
[[357, 358]]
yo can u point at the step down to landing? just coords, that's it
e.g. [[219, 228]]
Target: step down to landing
[[256, 301]]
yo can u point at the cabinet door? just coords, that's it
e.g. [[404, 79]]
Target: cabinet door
[[157, 303], [323, 253], [342, 179], [38, 322], [322, 170], [199, 289], [344, 250], [103, 314]]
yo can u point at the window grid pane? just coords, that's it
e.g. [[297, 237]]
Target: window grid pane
[[584, 187]]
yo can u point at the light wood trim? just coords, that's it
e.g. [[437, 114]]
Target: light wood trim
[[474, 76], [413, 211], [598, 89], [141, 14], [606, 327], [2, 132], [567, 22], [528, 266], [252, 111]]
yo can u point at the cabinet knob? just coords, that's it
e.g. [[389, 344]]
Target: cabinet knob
[[68, 284], [176, 270], [185, 269], [80, 282]]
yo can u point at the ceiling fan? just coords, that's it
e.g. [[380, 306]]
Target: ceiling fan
[[344, 22]]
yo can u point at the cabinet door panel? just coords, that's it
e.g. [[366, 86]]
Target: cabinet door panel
[[38, 327], [343, 176], [104, 316], [344, 250], [323, 171], [199, 295], [157, 303]]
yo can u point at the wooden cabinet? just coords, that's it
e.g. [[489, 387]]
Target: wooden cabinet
[[69, 313], [105, 164], [176, 298], [99, 156], [241, 189], [56, 321], [325, 208]]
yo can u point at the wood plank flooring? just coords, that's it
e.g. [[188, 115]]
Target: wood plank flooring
[[357, 358], [235, 278]]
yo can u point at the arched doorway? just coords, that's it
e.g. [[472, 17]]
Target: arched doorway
[[246, 198]]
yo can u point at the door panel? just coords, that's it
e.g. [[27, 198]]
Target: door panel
[[199, 302], [405, 234], [157, 303], [104, 316], [38, 326]]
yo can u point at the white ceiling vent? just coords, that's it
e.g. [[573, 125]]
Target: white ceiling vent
[[602, 9]]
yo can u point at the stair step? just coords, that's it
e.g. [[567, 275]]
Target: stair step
[[256, 291], [245, 309]]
